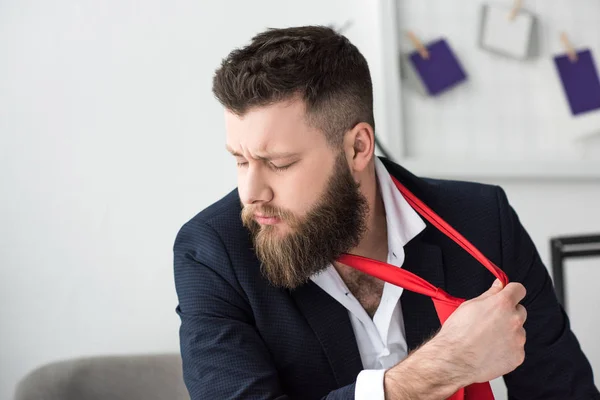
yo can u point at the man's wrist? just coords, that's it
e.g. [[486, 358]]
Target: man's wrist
[[431, 372]]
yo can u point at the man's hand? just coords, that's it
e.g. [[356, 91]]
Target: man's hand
[[486, 333], [482, 340]]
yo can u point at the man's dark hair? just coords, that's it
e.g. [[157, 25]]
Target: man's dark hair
[[314, 63]]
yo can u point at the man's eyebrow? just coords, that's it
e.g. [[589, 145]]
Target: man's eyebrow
[[266, 156], [232, 151]]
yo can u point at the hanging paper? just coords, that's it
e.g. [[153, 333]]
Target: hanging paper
[[435, 67], [580, 81], [506, 31]]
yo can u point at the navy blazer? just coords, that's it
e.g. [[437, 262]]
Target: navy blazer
[[242, 338]]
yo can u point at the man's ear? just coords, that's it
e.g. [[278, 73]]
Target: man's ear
[[359, 146]]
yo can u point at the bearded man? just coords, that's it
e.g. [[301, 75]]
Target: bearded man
[[269, 310]]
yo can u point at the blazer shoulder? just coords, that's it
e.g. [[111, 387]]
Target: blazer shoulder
[[225, 207], [475, 191], [443, 192], [466, 204], [206, 231]]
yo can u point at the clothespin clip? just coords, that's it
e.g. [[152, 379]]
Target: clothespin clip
[[515, 9], [344, 27], [418, 45], [569, 47]]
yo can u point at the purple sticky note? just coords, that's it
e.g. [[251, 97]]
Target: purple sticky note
[[580, 81], [441, 70]]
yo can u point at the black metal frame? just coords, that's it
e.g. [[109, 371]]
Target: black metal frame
[[570, 247]]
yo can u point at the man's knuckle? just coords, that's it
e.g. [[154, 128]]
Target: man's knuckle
[[517, 322], [504, 300]]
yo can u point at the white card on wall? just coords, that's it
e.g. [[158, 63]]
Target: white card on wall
[[506, 36]]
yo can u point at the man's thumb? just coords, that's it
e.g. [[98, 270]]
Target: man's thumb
[[495, 288]]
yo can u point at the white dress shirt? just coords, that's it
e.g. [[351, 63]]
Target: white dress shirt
[[381, 341]]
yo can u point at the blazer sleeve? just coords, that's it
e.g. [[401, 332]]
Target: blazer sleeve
[[555, 366], [223, 355]]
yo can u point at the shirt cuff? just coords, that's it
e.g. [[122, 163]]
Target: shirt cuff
[[369, 385]]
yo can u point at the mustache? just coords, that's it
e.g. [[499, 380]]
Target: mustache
[[249, 211]]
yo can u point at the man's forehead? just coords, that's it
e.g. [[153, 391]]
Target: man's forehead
[[269, 132], [279, 117]]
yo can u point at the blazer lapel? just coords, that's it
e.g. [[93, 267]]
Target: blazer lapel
[[422, 258], [331, 324], [420, 318]]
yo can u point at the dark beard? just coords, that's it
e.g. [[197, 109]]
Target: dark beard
[[334, 226]]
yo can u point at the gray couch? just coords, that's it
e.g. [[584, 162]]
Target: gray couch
[[147, 377]]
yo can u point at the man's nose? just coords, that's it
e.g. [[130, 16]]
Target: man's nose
[[253, 188]]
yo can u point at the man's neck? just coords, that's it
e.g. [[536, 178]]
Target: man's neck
[[365, 288], [374, 244]]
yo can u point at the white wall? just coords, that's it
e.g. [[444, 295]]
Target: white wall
[[110, 139], [549, 209]]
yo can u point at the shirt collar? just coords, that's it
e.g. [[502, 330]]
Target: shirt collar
[[403, 222]]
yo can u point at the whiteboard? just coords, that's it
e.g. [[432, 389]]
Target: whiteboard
[[583, 322], [511, 118]]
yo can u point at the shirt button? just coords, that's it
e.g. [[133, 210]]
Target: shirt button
[[385, 352]]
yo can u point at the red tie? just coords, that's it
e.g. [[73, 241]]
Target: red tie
[[444, 303]]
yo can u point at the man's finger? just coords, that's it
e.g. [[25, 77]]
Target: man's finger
[[495, 288], [515, 291], [522, 312]]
